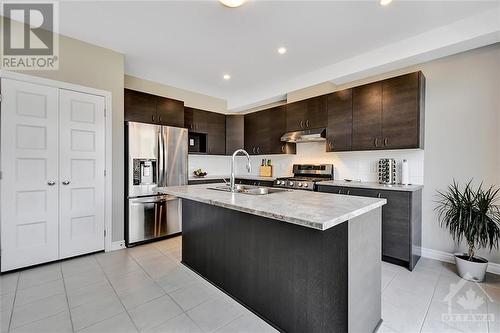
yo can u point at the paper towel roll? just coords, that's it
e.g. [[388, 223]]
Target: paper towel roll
[[405, 173]]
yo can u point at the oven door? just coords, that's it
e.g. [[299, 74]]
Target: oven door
[[153, 217]]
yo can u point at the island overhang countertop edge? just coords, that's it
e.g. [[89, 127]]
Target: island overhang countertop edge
[[320, 211]]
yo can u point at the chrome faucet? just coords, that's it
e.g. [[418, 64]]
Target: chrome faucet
[[249, 167]]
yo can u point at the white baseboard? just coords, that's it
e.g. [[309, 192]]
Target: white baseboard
[[117, 245], [449, 257]]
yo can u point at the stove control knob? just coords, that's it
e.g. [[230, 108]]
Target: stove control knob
[[300, 184], [290, 183], [306, 185], [278, 182]]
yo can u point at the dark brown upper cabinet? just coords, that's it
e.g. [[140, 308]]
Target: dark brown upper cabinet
[[170, 112], [216, 133], [339, 130], [263, 131], [367, 116], [211, 124], [403, 111], [389, 114], [306, 114], [235, 133], [152, 109]]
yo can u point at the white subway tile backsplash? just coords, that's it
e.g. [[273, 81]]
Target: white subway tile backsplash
[[361, 165]]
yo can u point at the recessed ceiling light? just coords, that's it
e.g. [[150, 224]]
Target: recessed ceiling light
[[282, 50], [227, 77], [385, 2], [232, 3]]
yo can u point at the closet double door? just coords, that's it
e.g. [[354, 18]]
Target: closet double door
[[53, 181]]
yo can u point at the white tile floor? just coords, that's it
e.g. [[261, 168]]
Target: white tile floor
[[146, 289]]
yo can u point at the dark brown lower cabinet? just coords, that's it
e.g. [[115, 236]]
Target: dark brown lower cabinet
[[401, 222]]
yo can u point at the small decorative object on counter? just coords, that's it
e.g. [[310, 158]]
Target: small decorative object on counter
[[472, 215], [387, 171], [199, 173]]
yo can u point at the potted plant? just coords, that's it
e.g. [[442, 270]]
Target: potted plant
[[471, 215]]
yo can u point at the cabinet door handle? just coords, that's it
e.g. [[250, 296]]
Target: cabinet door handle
[[307, 123], [258, 150], [301, 124], [66, 182], [253, 150], [348, 192], [282, 148], [340, 191], [378, 195], [51, 182], [375, 142], [330, 144], [386, 141], [159, 119], [153, 118]]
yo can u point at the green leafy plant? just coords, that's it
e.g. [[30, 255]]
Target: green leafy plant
[[471, 215]]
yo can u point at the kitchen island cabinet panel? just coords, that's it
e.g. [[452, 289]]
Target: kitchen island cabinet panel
[[278, 270]]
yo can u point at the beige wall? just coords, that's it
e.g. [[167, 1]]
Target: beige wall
[[92, 66], [190, 98], [312, 91]]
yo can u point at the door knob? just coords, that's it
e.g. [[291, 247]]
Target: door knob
[[66, 182], [51, 183]]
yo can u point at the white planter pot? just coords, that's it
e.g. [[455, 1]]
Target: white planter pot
[[471, 270]]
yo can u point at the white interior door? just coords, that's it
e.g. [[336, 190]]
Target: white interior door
[[82, 164], [29, 184]]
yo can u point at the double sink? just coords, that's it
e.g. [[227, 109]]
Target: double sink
[[249, 189]]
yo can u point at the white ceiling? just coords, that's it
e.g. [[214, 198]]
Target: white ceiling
[[191, 44]]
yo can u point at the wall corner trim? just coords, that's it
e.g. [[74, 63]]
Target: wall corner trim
[[448, 257], [118, 245]]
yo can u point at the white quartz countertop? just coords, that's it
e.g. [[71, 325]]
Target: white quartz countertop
[[372, 185], [251, 177], [314, 210]]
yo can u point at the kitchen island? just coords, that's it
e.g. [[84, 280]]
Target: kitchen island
[[302, 261]]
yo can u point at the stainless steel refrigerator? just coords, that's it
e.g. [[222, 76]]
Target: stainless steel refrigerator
[[156, 157]]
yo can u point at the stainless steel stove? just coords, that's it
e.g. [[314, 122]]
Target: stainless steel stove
[[305, 176]]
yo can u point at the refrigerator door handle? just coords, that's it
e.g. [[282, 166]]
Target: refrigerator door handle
[[161, 159]]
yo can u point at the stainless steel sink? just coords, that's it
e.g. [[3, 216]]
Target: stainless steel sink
[[249, 189]]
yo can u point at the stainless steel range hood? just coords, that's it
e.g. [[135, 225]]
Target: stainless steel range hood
[[312, 135]]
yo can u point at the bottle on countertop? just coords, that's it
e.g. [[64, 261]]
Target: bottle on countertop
[[405, 173]]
